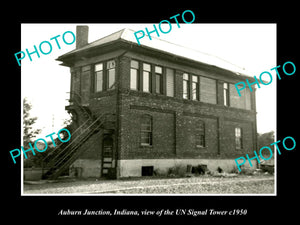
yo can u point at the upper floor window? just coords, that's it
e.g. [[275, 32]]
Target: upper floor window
[[151, 78], [238, 138], [226, 94], [146, 77], [186, 86], [195, 87], [99, 77], [134, 75], [146, 130], [241, 102], [199, 88], [158, 80], [170, 82], [111, 74]]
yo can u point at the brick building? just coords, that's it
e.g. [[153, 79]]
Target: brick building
[[152, 107]]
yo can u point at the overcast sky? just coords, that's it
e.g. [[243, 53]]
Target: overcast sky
[[45, 82]]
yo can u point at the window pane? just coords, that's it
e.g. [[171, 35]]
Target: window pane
[[238, 132], [99, 81], [110, 64], [225, 85], [111, 78], [238, 138], [146, 127], [241, 102], [134, 64], [133, 79], [185, 89], [146, 67], [185, 76], [146, 81], [225, 93], [99, 67], [238, 143], [158, 83], [194, 78], [158, 69], [146, 130], [208, 90], [170, 82]]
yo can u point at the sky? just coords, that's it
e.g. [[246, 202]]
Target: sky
[[45, 83]]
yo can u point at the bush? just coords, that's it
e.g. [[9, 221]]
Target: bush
[[200, 169], [177, 171], [247, 171], [267, 168]]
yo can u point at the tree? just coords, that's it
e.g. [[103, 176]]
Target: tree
[[266, 139], [28, 132]]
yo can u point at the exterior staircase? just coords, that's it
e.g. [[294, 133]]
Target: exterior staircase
[[66, 153]]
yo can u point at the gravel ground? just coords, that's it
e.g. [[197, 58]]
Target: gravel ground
[[192, 185]]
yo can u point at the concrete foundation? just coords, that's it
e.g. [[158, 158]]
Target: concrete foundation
[[133, 167]]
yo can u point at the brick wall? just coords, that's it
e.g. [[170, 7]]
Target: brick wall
[[175, 121]]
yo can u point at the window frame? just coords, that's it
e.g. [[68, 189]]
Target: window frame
[[96, 76], [168, 75], [226, 96], [186, 82], [238, 133], [160, 81], [195, 96], [108, 70], [144, 74], [149, 132], [137, 79], [200, 135]]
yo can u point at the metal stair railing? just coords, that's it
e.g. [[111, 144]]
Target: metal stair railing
[[70, 150], [87, 129], [73, 134], [77, 129], [75, 154]]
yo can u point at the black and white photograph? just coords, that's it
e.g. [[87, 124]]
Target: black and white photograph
[[151, 118], [161, 116]]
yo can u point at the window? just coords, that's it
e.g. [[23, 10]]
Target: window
[[146, 77], [226, 94], [200, 135], [195, 87], [208, 90], [146, 130], [98, 77], [134, 75], [170, 82], [238, 138], [240, 102], [186, 84], [111, 74], [158, 80]]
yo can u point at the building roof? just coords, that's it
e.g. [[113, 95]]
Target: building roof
[[160, 45]]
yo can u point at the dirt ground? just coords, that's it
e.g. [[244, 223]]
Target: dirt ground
[[242, 184]]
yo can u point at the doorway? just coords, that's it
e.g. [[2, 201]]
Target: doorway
[[107, 157]]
